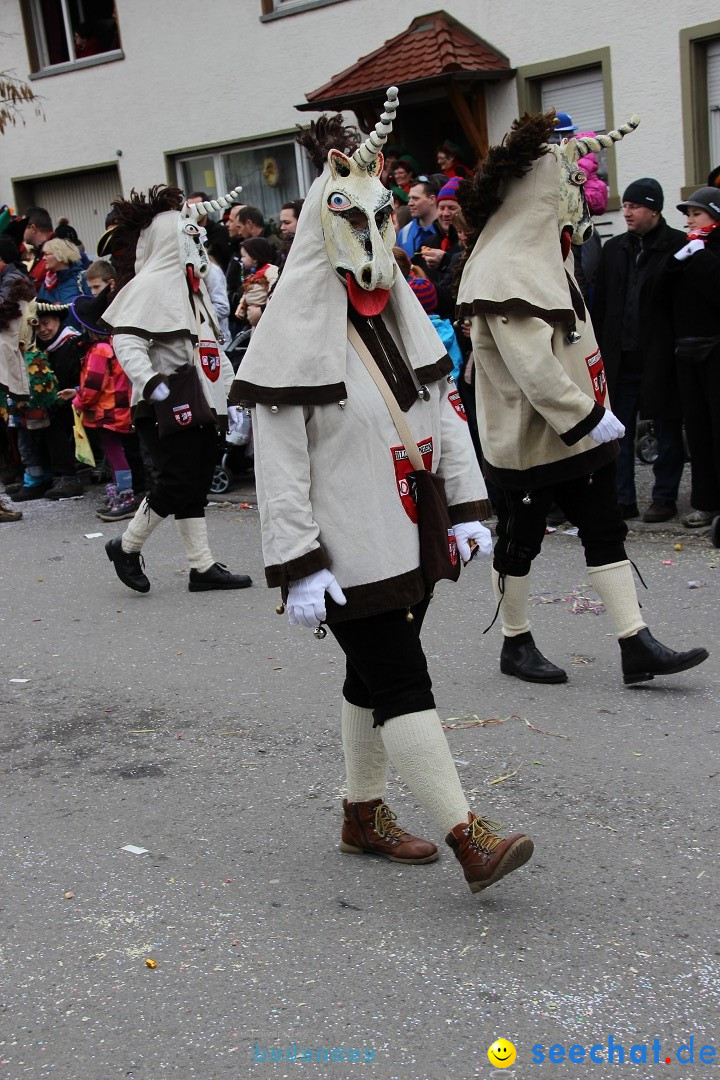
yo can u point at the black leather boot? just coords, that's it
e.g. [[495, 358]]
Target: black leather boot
[[643, 658], [128, 566], [520, 656]]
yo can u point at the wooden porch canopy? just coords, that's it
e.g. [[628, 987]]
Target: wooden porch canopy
[[435, 58]]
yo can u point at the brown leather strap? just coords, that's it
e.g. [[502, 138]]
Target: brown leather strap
[[403, 428]]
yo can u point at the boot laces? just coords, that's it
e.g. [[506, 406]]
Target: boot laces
[[385, 823], [483, 834]]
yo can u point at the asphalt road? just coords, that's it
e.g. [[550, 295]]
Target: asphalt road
[[201, 728]]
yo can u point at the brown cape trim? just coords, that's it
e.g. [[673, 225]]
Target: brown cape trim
[[392, 594], [249, 394], [554, 472], [280, 575], [435, 372], [152, 384], [575, 434], [470, 511], [515, 305]]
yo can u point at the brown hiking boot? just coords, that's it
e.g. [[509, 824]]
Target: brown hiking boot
[[484, 855], [369, 828]]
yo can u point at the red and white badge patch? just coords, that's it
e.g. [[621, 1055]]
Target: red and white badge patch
[[403, 468], [456, 402], [210, 359], [182, 415], [597, 374]]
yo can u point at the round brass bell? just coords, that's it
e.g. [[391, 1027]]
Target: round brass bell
[[572, 337], [409, 617], [320, 632], [526, 500], [424, 393], [274, 409], [342, 403], [280, 609]]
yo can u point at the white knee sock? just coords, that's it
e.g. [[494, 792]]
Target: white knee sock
[[366, 760], [140, 528], [418, 749], [614, 582], [195, 539], [513, 600]]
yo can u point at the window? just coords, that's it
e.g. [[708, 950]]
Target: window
[[276, 9], [270, 172], [70, 33], [579, 85], [700, 89]]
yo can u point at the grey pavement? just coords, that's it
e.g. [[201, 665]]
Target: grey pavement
[[201, 728]]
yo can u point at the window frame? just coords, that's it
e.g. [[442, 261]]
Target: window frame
[[35, 47], [529, 77], [694, 102], [280, 9]]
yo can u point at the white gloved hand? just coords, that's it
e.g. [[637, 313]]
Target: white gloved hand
[[234, 417], [608, 429], [306, 598], [689, 249], [472, 530], [161, 391]]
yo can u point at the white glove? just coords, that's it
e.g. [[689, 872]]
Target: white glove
[[608, 429], [234, 417], [689, 249], [472, 530], [161, 391], [306, 598]]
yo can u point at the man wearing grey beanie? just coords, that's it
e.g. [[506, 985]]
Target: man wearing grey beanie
[[637, 345]]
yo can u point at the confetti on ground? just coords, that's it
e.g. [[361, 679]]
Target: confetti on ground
[[133, 850], [667, 562], [582, 659], [678, 547], [150, 962], [696, 584], [246, 506], [461, 723], [19, 680], [579, 603], [91, 536]]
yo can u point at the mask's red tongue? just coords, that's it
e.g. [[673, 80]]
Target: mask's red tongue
[[193, 278], [366, 303], [565, 243]]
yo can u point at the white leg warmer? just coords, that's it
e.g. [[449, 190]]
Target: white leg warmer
[[513, 600], [418, 749], [195, 540], [614, 582], [366, 761], [140, 528]]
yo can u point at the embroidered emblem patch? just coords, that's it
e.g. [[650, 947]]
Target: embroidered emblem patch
[[403, 468], [182, 414], [456, 402], [210, 359], [597, 374]]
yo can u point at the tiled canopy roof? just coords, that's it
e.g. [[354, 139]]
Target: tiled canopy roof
[[433, 45]]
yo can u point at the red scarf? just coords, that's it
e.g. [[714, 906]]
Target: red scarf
[[703, 232], [51, 279]]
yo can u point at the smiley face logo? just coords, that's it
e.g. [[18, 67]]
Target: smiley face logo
[[501, 1054]]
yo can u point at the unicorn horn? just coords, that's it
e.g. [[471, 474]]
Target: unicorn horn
[[368, 152], [197, 209], [604, 142]]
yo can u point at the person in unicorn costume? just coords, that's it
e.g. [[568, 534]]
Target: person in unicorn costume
[[339, 523]]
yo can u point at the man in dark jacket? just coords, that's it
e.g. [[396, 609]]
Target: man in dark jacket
[[637, 345]]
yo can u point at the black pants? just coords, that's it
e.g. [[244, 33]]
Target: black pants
[[185, 463], [55, 445], [590, 503], [700, 393], [386, 666]]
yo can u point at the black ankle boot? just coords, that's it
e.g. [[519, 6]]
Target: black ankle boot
[[643, 658], [128, 566], [520, 656]]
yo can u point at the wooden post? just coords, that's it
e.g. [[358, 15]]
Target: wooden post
[[476, 135]]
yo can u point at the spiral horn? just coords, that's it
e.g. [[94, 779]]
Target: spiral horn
[[604, 142], [368, 152], [197, 209]]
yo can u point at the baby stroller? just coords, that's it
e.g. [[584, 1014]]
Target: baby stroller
[[235, 454]]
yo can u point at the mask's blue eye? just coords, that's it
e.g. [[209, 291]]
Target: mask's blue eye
[[338, 201]]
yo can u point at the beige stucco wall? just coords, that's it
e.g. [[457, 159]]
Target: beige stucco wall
[[213, 73]]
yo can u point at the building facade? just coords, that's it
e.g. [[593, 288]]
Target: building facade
[[136, 93]]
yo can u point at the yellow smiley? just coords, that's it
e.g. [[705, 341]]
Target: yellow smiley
[[501, 1054]]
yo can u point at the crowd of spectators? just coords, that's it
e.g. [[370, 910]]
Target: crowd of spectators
[[631, 287]]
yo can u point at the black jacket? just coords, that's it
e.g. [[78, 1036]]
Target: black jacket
[[649, 316], [694, 294]]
